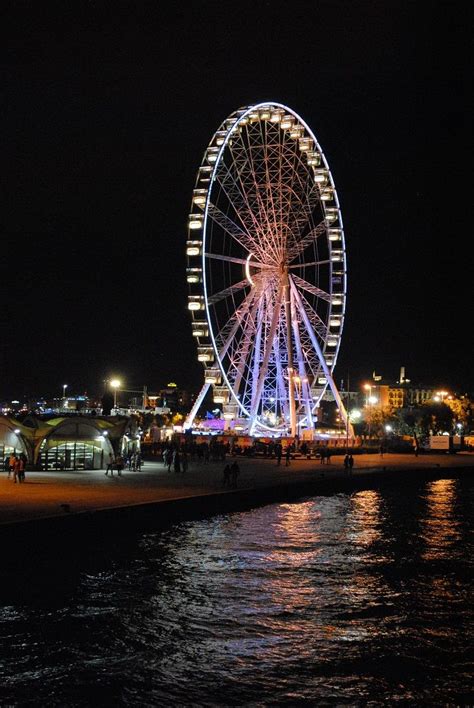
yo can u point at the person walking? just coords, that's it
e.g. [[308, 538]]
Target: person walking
[[177, 462], [21, 469], [110, 465], [184, 462], [226, 476], [346, 463], [119, 465], [287, 455], [16, 468], [351, 463], [235, 472], [278, 453], [11, 464]]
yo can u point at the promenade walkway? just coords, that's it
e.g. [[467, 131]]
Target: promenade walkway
[[50, 494]]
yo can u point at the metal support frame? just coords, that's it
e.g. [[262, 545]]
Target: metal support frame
[[322, 360]]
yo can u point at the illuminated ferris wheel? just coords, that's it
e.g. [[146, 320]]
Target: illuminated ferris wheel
[[266, 271]]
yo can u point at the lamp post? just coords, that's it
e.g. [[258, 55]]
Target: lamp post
[[64, 395], [370, 401], [115, 384], [368, 389]]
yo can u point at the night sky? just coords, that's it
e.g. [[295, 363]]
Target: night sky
[[106, 111]]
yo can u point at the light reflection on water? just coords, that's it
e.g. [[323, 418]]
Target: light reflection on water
[[440, 527], [349, 599]]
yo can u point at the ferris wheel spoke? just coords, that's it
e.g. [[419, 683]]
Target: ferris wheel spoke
[[297, 212], [300, 246], [231, 290], [272, 188], [311, 263], [225, 337], [244, 345], [266, 231], [231, 259], [299, 282], [237, 195], [242, 238], [316, 322]]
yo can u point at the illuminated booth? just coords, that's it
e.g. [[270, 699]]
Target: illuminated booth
[[69, 443]]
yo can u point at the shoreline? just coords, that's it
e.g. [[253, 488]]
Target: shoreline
[[159, 513]]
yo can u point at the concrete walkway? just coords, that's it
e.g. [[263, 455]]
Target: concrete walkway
[[50, 494]]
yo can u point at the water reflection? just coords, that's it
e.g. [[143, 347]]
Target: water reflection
[[440, 527], [346, 599], [366, 523]]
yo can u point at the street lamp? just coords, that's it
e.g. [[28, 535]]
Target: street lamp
[[64, 390], [115, 384], [440, 396], [370, 401]]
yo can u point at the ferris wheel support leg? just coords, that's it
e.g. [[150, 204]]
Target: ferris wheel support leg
[[327, 372], [266, 358], [197, 404], [291, 374], [301, 366]]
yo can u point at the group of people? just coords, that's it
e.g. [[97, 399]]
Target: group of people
[[231, 473], [348, 463], [278, 449], [175, 458], [131, 461], [17, 467], [115, 463]]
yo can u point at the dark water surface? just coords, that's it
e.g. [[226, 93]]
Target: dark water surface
[[357, 599]]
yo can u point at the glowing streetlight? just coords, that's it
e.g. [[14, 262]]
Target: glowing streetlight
[[64, 390], [115, 384], [370, 401]]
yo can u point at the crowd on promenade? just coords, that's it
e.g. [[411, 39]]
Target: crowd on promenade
[[177, 457]]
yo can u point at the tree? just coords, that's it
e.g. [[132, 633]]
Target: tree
[[436, 418], [376, 417], [462, 410]]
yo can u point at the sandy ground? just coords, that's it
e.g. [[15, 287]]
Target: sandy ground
[[44, 493]]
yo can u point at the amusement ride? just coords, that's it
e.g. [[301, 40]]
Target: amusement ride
[[266, 268]]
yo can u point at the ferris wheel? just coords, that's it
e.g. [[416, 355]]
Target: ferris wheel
[[266, 268]]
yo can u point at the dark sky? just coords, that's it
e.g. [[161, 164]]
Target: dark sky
[[106, 111]]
